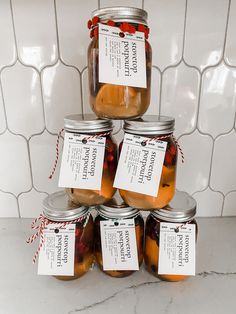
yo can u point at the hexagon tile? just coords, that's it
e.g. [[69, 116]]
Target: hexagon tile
[[61, 93], [166, 21], [8, 205], [218, 101], [223, 163], [14, 164], [35, 32], [180, 88], [193, 174], [205, 32], [30, 203], [23, 100], [43, 153], [74, 34], [8, 48]]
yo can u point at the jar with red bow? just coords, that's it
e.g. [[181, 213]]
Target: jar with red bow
[[119, 69]]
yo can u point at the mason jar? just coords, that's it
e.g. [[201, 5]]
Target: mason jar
[[181, 210], [58, 208], [152, 127], [112, 100], [118, 213], [90, 126]]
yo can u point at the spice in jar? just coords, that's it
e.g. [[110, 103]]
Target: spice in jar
[[118, 213], [92, 127], [154, 128], [110, 100], [181, 211], [60, 210]]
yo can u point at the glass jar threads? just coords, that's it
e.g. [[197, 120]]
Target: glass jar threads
[[58, 208], [111, 100], [154, 128], [181, 210], [118, 214], [92, 127]]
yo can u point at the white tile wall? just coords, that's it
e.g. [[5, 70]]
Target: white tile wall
[[43, 76]]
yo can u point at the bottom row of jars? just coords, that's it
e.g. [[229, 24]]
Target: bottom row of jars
[[88, 237]]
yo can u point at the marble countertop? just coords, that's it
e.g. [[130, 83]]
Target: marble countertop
[[212, 290]]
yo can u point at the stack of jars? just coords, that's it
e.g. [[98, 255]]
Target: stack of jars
[[110, 101]]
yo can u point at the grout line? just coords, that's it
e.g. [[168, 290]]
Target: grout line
[[226, 29], [57, 31], [143, 5], [184, 32]]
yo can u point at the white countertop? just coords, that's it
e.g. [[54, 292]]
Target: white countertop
[[211, 291]]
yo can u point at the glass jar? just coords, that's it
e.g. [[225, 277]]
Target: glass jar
[[152, 127], [182, 210], [90, 125], [59, 208], [110, 100], [113, 211]]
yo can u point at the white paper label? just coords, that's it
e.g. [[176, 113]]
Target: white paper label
[[56, 256], [177, 249], [140, 165], [82, 162], [119, 247], [122, 61]]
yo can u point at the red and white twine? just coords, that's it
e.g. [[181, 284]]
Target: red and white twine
[[165, 137], [57, 154], [57, 148], [44, 222]]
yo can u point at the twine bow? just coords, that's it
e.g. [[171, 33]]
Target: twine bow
[[165, 137], [40, 223], [57, 148]]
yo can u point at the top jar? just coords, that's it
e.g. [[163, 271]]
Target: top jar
[[111, 100], [155, 127], [90, 125]]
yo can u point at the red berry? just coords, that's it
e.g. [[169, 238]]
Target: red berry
[[141, 28], [172, 150], [95, 20], [110, 157], [111, 23], [95, 32], [132, 29], [89, 24], [168, 158], [124, 27]]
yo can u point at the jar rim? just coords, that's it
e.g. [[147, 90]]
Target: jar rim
[[121, 13], [150, 125], [87, 123], [115, 210], [58, 207], [181, 208]]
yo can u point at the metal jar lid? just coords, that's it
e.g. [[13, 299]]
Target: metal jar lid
[[182, 208], [58, 207], [120, 14], [87, 123], [150, 125], [116, 210]]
